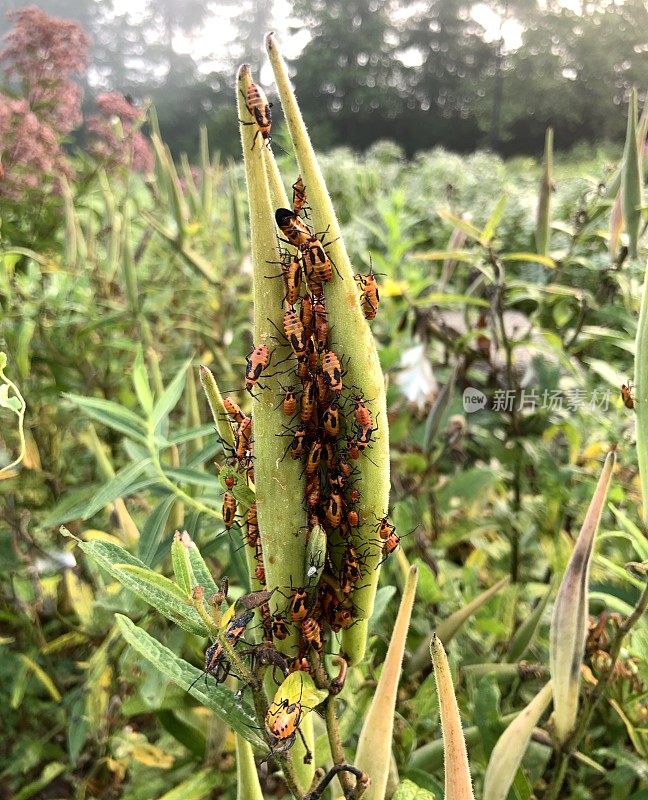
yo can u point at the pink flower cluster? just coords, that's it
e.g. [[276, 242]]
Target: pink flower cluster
[[41, 54], [117, 140]]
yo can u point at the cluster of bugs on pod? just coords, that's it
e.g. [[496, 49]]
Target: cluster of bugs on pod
[[329, 426]]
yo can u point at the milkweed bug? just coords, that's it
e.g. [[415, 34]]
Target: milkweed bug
[[626, 396], [229, 509], [296, 232], [259, 107], [299, 202]]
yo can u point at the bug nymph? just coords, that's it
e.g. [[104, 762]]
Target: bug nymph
[[293, 228], [295, 333], [260, 109], [317, 265], [233, 411], [229, 509], [626, 395], [299, 202], [291, 272], [361, 412], [332, 371], [257, 361], [311, 632]]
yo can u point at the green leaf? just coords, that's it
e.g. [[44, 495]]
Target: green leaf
[[49, 773], [237, 714], [181, 565], [469, 256], [170, 396], [175, 608], [493, 221], [141, 383], [155, 580], [201, 571], [193, 477], [458, 222], [116, 487], [440, 299], [408, 790], [186, 734], [196, 786], [536, 258], [153, 529], [525, 633], [71, 506], [111, 414]]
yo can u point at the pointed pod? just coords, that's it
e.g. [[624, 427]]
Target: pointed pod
[[507, 754], [458, 783], [543, 215], [569, 621], [373, 755], [631, 170]]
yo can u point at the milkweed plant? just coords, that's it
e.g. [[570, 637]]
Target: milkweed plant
[[306, 478]]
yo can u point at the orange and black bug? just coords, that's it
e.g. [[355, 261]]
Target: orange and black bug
[[295, 333], [342, 619], [350, 567], [291, 272], [314, 458], [331, 420], [229, 509], [321, 324], [299, 202], [233, 411], [353, 451], [385, 528], [318, 267], [363, 436], [311, 632], [259, 107], [308, 398], [332, 371], [302, 368], [370, 298], [257, 361], [626, 395], [289, 403], [280, 629], [313, 491], [306, 312], [334, 509], [390, 544], [216, 663], [243, 437], [297, 446], [328, 454], [298, 604], [230, 480], [296, 232], [353, 518], [361, 412], [259, 573]]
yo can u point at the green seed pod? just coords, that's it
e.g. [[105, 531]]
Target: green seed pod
[[631, 179]]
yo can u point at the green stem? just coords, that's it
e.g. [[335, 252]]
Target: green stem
[[641, 396]]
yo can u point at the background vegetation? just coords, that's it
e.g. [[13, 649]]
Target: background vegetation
[[122, 272]]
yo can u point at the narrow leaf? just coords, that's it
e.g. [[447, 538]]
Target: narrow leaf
[[493, 221], [511, 746], [175, 608], [237, 714], [375, 744], [154, 528], [170, 396], [111, 414], [117, 487]]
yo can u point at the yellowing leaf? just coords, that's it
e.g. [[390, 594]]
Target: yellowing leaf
[[92, 535], [152, 756], [81, 597]]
